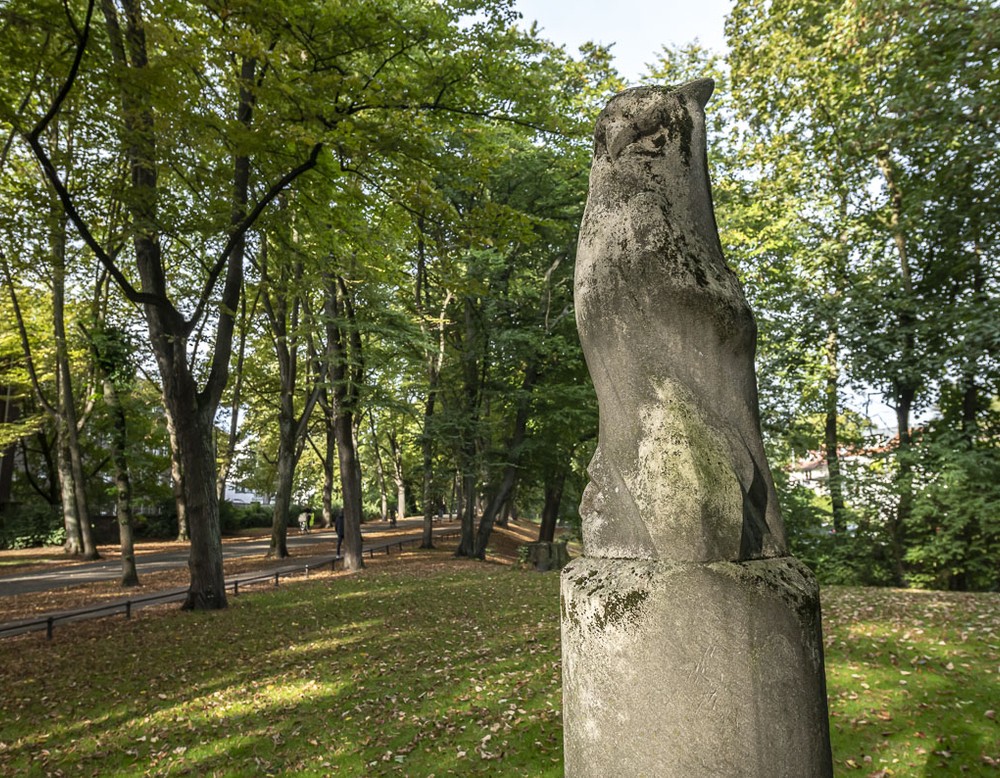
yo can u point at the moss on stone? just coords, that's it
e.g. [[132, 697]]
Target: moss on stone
[[620, 607]]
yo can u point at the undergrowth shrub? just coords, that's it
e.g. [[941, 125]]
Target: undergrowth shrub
[[234, 518], [30, 526]]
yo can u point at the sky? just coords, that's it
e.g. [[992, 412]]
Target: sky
[[638, 28]]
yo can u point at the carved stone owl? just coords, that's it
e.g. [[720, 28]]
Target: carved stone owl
[[680, 472]]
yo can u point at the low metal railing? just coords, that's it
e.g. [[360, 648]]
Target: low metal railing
[[49, 621]]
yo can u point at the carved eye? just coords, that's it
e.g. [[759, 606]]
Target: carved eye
[[653, 119]]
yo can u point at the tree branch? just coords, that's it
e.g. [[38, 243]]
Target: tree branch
[[82, 37], [66, 200], [244, 226], [29, 362]]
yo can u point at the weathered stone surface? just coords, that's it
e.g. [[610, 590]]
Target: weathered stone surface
[[691, 641], [680, 471], [693, 669]]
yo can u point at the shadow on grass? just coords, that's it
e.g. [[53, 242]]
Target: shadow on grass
[[446, 671], [451, 673]]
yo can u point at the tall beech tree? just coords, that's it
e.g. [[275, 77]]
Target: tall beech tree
[[344, 362], [281, 296], [113, 355]]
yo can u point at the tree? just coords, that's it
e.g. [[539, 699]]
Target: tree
[[345, 371], [218, 110], [62, 407], [864, 120], [27, 247], [281, 301], [112, 353]]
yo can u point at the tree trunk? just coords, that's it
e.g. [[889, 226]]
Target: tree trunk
[[79, 488], [427, 464], [123, 484], [208, 589], [434, 360], [831, 437], [177, 479], [196, 454], [283, 486], [472, 395], [234, 407], [971, 402], [400, 497], [514, 446], [427, 460], [282, 304], [906, 382], [73, 544], [379, 472], [397, 475], [9, 413], [65, 402], [554, 484], [458, 496], [350, 482], [503, 520], [331, 453], [489, 516], [904, 481], [344, 376], [467, 543], [61, 475]]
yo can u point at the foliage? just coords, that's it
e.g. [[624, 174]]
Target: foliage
[[860, 213], [30, 526], [955, 529], [223, 130], [234, 518], [160, 524], [430, 160]]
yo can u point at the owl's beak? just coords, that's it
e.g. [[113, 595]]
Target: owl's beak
[[619, 134]]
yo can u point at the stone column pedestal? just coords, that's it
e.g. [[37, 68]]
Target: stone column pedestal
[[693, 670]]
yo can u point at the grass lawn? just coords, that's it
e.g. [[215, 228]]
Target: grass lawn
[[435, 666]]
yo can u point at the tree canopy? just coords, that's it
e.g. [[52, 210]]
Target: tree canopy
[[338, 240]]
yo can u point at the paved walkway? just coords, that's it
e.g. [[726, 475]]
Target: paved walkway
[[88, 572], [110, 568]]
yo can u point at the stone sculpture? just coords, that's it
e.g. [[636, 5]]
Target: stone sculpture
[[691, 641], [680, 471]]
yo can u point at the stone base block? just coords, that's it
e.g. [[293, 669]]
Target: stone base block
[[693, 670], [543, 556]]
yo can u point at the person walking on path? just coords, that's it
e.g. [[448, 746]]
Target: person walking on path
[[338, 523]]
